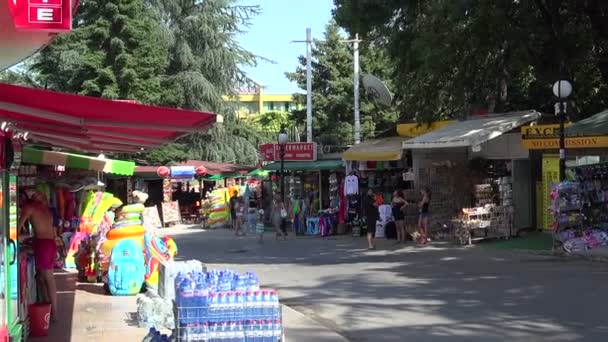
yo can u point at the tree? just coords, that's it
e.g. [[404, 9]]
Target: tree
[[452, 58], [204, 65], [332, 85], [116, 51]]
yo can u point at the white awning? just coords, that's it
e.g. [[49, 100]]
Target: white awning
[[473, 131]]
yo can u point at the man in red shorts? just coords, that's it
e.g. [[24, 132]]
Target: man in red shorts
[[37, 212]]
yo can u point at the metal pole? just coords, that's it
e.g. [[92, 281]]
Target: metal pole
[[308, 85], [356, 90], [562, 139], [282, 152]]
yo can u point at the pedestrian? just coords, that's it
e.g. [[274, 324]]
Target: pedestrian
[[37, 212], [371, 216], [423, 221], [279, 213], [398, 207], [259, 227], [240, 216], [232, 204], [252, 216]]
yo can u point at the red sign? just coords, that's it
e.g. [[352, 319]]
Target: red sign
[[42, 15], [293, 152]]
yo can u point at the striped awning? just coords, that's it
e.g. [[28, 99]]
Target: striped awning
[[76, 161]]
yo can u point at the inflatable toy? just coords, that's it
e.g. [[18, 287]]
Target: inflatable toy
[[124, 223], [127, 270], [158, 251], [75, 241], [125, 232], [108, 245], [129, 216], [108, 201], [132, 208]]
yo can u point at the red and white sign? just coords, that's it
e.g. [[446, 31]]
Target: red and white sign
[[42, 15], [293, 152]]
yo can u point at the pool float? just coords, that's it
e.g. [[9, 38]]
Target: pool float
[[125, 232], [158, 251], [127, 270], [75, 241], [108, 246], [124, 224], [132, 208], [129, 216]]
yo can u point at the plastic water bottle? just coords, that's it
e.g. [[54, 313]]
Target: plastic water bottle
[[248, 305], [222, 306], [253, 283], [212, 311], [257, 304], [239, 307], [230, 306], [266, 304], [278, 330], [212, 334], [239, 335], [186, 294]]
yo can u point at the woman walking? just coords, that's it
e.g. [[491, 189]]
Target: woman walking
[[398, 204], [278, 215], [371, 216], [423, 222]]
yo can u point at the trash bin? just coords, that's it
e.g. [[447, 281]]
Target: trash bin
[[40, 317]]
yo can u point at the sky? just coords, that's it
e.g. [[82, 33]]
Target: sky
[[271, 32]]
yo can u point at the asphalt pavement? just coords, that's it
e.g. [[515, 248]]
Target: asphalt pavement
[[409, 293]]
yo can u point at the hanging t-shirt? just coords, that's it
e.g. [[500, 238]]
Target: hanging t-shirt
[[351, 185]]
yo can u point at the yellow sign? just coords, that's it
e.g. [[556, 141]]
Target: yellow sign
[[550, 176], [412, 130], [546, 137]]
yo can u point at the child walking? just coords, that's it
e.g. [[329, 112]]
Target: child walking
[[259, 226]]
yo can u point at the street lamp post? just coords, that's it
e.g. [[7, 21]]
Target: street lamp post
[[562, 89], [282, 139]]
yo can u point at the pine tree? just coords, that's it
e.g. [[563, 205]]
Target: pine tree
[[205, 64]]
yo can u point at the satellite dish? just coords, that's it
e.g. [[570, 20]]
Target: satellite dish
[[378, 90]]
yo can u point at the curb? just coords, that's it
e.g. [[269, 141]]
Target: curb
[[298, 327]]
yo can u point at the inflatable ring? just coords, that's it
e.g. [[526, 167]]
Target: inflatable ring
[[125, 232], [129, 216], [126, 223], [132, 208]]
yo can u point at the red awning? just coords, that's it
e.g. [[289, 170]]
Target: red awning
[[94, 124]]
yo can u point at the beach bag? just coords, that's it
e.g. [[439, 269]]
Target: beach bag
[[127, 269]]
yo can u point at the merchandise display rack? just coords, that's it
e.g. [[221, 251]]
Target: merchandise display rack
[[487, 220], [567, 211]]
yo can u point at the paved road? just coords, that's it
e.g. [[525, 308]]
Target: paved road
[[436, 293]]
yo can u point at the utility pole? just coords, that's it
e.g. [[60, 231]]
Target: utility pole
[[355, 43], [308, 42]]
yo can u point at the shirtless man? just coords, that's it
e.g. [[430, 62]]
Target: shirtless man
[[37, 212]]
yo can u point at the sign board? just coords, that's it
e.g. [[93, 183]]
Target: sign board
[[151, 218], [42, 15], [297, 151], [171, 212], [546, 137], [182, 172]]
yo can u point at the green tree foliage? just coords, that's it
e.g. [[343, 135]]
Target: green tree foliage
[[452, 58], [332, 85], [205, 63], [116, 51]]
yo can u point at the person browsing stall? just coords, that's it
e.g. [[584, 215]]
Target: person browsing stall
[[36, 211]]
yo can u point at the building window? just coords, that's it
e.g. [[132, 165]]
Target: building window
[[287, 106]]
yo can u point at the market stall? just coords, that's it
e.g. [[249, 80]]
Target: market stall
[[482, 160], [313, 197]]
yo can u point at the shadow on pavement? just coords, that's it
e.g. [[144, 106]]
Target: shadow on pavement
[[66, 292], [435, 293]]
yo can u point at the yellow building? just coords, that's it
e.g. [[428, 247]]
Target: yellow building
[[256, 102]]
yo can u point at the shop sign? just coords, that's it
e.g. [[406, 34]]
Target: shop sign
[[42, 15], [546, 137], [301, 151]]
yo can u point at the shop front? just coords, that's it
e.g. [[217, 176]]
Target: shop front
[[480, 159], [312, 194]]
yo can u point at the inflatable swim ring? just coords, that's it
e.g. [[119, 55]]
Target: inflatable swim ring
[[133, 208], [125, 232]]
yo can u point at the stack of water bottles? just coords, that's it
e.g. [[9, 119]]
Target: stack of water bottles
[[155, 336], [224, 306]]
